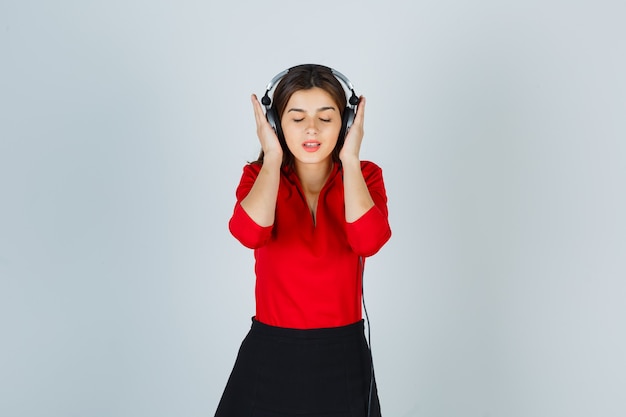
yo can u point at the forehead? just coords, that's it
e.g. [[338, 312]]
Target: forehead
[[311, 98]]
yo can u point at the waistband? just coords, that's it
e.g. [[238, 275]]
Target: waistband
[[349, 330]]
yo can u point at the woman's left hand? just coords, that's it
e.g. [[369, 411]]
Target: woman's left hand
[[352, 144]]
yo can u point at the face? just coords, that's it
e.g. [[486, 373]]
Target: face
[[311, 123]]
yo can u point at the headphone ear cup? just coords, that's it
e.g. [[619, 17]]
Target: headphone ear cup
[[274, 121], [269, 114], [346, 122]]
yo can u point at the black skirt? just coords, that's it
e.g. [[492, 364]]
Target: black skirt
[[287, 372]]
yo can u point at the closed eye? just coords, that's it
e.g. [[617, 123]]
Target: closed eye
[[325, 120]]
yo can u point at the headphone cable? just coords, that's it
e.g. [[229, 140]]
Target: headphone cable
[[369, 338]]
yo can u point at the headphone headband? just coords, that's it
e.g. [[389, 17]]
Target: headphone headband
[[353, 100], [266, 100], [347, 82]]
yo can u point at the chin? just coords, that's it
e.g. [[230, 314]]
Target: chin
[[312, 159]]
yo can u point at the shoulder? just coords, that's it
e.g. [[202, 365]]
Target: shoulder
[[372, 174], [252, 167], [368, 166], [251, 170], [369, 169]]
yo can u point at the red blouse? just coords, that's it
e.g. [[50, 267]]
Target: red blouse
[[308, 275]]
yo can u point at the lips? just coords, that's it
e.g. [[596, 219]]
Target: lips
[[311, 145]]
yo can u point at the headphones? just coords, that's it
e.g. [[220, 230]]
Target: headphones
[[348, 114]]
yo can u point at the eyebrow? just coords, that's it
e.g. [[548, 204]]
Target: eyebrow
[[317, 111]]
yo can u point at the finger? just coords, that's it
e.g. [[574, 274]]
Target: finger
[[360, 111], [258, 111]]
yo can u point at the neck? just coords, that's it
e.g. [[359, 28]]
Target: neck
[[313, 176]]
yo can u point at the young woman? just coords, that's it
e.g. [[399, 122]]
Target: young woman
[[312, 211]]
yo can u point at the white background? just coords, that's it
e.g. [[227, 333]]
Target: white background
[[500, 128]]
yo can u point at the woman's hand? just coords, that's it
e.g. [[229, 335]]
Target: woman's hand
[[267, 136], [356, 194], [352, 144], [260, 203]]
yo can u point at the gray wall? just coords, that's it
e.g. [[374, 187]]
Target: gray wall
[[500, 128]]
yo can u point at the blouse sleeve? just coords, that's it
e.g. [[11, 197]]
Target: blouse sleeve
[[371, 231], [241, 225]]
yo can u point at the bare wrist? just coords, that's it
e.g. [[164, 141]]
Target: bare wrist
[[351, 160], [273, 159]]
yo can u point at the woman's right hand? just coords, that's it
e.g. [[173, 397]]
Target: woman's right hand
[[267, 136], [260, 203]]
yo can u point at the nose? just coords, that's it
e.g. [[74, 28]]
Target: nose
[[311, 128]]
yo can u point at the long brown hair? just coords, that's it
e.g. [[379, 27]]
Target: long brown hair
[[305, 77]]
